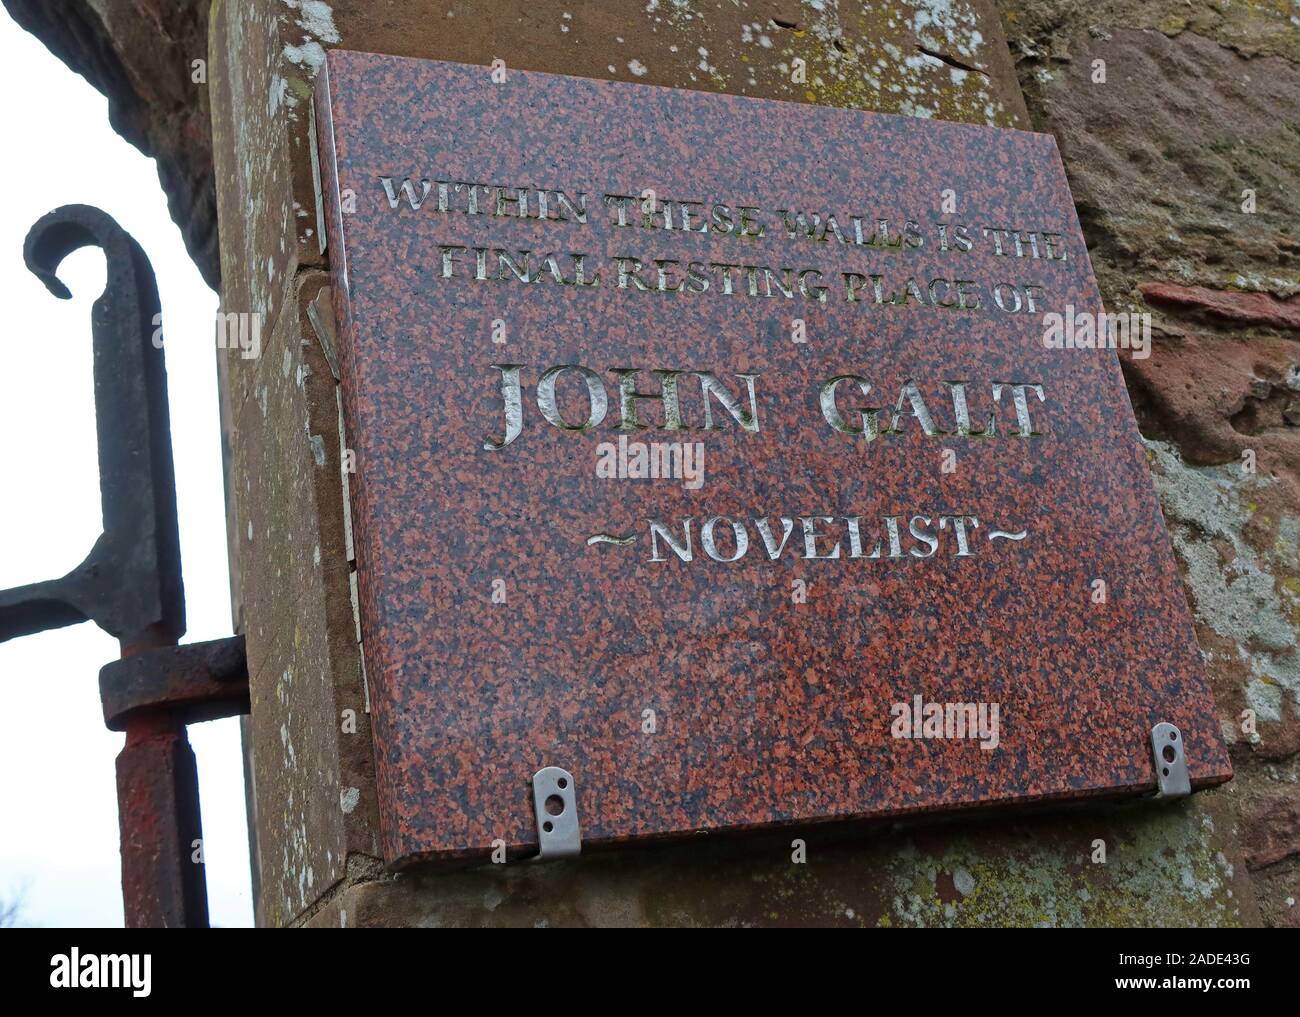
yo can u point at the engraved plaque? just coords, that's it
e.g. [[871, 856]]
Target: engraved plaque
[[753, 462]]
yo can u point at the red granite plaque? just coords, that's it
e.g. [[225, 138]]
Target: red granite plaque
[[753, 462]]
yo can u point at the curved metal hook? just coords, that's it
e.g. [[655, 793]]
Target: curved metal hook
[[56, 235]]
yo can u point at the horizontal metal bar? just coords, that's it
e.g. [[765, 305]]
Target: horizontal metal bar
[[189, 684]]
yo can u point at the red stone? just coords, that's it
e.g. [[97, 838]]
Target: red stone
[[771, 680], [1273, 832], [1226, 305]]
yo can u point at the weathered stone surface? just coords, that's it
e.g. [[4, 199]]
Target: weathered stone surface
[[252, 145], [1270, 835], [1219, 396], [140, 54], [946, 61], [1160, 195], [309, 731], [1275, 892], [1237, 536], [1272, 828], [1163, 868], [1044, 30], [1228, 307]]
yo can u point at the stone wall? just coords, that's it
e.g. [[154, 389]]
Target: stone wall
[[1199, 103]]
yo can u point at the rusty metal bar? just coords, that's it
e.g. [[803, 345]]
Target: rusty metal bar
[[152, 695], [163, 876], [190, 683]]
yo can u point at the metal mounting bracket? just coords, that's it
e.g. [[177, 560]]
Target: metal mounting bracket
[[555, 804], [1170, 759]]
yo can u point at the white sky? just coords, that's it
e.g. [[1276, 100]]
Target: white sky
[[58, 807]]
